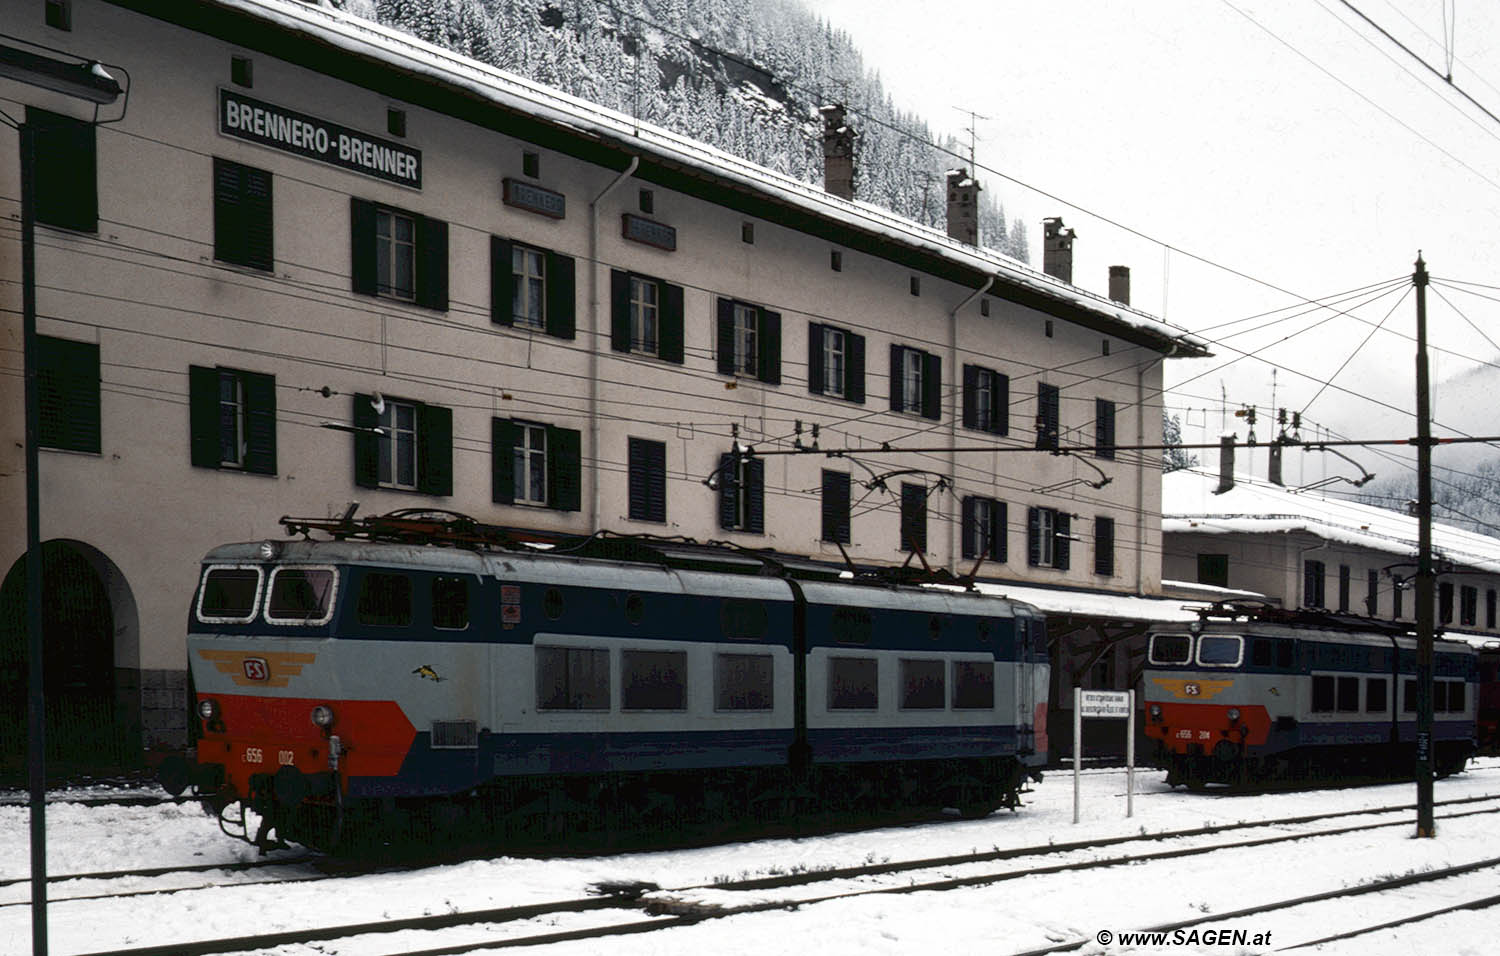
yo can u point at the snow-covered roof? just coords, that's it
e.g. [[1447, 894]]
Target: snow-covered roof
[[1124, 607], [407, 55], [1189, 505]]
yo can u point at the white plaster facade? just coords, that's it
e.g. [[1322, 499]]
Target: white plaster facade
[[147, 290]]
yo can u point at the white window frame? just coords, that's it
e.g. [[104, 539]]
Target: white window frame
[[911, 381], [238, 412], [260, 592], [984, 389], [835, 362], [528, 299], [1238, 660], [645, 316], [333, 595], [391, 250], [1046, 532], [746, 340], [388, 466], [530, 459]]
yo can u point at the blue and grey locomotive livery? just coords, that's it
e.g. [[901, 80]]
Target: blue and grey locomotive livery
[[338, 681], [1257, 696]]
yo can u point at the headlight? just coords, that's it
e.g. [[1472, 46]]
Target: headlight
[[208, 708], [1233, 715], [1155, 711], [322, 716]]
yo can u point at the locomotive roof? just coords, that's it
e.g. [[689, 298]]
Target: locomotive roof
[[1253, 628], [567, 569]]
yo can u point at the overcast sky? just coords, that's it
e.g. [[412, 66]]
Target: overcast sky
[[1285, 139]]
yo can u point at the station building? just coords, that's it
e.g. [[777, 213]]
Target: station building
[[304, 261]]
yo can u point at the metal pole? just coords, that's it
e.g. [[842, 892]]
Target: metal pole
[[1425, 827], [1130, 757], [36, 703], [1077, 745]]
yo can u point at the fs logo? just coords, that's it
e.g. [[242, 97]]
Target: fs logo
[[256, 669]]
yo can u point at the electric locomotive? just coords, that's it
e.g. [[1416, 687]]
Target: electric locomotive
[[422, 670], [1248, 695]]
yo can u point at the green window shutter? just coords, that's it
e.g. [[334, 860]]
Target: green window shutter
[[366, 444], [855, 361], [362, 268], [435, 450], [755, 481], [66, 183], [565, 468], [999, 531], [502, 281], [932, 386], [966, 522], [724, 336], [670, 346], [432, 263], [619, 310], [971, 401], [1062, 546], [67, 394], [815, 383], [561, 296], [260, 423], [769, 360], [203, 416], [1000, 403], [897, 372], [503, 437]]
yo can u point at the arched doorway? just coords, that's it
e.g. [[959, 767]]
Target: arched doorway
[[92, 716]]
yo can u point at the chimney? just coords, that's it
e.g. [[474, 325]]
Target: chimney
[[1226, 464], [1119, 284], [1057, 249], [1275, 468], [963, 207], [838, 153]]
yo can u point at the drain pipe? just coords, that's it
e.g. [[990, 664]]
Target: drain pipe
[[593, 333], [954, 411], [1140, 468]]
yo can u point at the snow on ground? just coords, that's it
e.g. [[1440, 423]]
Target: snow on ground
[[1009, 916]]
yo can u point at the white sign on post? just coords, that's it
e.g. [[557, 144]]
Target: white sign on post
[[1115, 704]]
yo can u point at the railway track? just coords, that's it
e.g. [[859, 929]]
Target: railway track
[[641, 908]]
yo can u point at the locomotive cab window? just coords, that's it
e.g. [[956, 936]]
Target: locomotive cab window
[[1218, 650], [229, 594], [1375, 695], [1171, 648], [301, 595], [450, 603], [384, 600]]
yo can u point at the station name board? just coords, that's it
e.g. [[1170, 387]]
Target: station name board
[[304, 135]]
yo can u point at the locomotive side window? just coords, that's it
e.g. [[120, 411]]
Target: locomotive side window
[[384, 600], [1262, 652], [450, 603], [572, 678], [1323, 694], [1171, 648], [743, 682], [1375, 695], [1285, 654], [301, 595], [1454, 696], [852, 683], [1348, 691], [1217, 650], [973, 685], [229, 594], [653, 680], [1409, 696], [922, 685]]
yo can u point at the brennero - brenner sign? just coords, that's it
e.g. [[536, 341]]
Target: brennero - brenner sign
[[294, 132]]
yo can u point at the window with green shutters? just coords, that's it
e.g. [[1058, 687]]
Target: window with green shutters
[[647, 483], [398, 254], [233, 419], [645, 316], [742, 494], [404, 445], [748, 341], [835, 504], [532, 288], [67, 394], [536, 464]]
